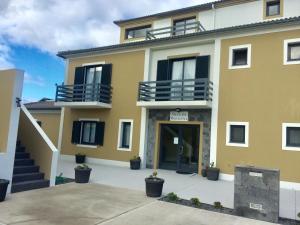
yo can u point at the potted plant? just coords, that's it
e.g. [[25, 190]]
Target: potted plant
[[3, 189], [135, 163], [82, 173], [80, 158], [213, 172], [154, 185], [204, 171]]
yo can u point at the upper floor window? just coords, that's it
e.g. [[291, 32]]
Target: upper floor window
[[292, 51], [184, 26], [273, 8], [240, 57], [137, 32]]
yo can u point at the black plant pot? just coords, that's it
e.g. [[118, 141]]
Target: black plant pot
[[3, 189], [154, 187], [82, 175], [80, 159], [213, 174], [204, 172], [135, 164]]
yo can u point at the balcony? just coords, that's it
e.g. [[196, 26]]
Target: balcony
[[184, 29], [188, 93], [83, 96]]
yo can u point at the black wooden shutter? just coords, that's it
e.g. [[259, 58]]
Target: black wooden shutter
[[100, 133], [76, 132], [106, 80], [163, 74], [78, 80], [202, 72]]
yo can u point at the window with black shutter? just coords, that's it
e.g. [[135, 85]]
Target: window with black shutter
[[88, 133]]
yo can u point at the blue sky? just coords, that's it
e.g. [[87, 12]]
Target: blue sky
[[33, 31]]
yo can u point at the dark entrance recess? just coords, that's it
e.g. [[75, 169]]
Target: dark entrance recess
[[179, 148]]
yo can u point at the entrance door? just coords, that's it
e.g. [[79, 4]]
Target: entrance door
[[179, 147]]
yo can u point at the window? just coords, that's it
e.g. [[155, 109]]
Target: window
[[237, 134], [137, 32], [273, 8], [87, 132], [291, 136], [39, 123], [240, 57], [292, 51], [184, 26], [125, 135]]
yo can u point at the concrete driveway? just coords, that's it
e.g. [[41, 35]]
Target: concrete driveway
[[91, 204]]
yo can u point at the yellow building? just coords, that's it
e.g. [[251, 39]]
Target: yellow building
[[216, 82]]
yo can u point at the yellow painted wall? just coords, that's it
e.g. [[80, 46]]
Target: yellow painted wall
[[7, 82], [50, 124], [127, 72], [265, 95]]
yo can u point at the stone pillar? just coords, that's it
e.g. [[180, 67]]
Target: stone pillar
[[256, 193]]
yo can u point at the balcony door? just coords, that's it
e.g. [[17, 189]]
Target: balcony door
[[93, 81], [182, 70], [184, 26]]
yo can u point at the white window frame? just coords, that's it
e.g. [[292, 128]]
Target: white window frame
[[285, 53], [93, 63], [82, 145], [228, 143], [284, 133], [120, 135], [232, 48]]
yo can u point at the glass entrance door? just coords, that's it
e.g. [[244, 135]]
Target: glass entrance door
[[179, 147]]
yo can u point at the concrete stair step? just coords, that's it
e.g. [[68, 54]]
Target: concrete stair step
[[24, 162], [27, 177], [20, 149], [29, 185], [22, 155], [26, 169]]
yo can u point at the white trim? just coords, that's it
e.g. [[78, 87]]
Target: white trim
[[174, 104], [285, 53], [143, 137], [46, 139], [215, 102], [120, 135], [87, 105], [284, 128], [86, 146], [89, 119], [231, 48], [71, 158], [228, 143], [93, 63], [226, 177]]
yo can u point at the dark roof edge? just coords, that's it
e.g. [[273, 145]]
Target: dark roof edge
[[205, 6], [287, 21]]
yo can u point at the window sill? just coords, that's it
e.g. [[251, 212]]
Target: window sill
[[292, 62], [237, 145], [124, 149], [86, 146], [287, 148], [239, 67]]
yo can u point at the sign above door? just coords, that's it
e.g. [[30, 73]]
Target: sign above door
[[179, 116]]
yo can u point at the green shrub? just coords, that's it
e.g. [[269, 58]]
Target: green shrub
[[218, 205], [298, 214], [82, 167], [195, 201], [172, 197]]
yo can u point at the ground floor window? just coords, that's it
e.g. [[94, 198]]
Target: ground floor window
[[291, 136], [88, 132], [125, 135], [237, 134]]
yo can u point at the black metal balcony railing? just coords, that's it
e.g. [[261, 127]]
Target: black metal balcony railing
[[175, 30], [83, 93], [176, 90]]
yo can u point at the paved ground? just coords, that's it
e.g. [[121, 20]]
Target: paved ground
[[185, 186], [92, 204]]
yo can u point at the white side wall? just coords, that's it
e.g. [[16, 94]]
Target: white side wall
[[291, 8], [162, 24], [7, 158]]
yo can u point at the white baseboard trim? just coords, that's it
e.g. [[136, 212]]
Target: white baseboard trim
[[283, 184], [106, 162]]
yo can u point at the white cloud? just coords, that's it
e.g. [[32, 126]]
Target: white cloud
[[55, 25], [36, 80], [5, 56]]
